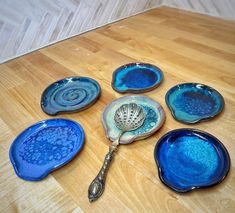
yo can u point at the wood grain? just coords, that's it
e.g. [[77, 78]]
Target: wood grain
[[187, 47]]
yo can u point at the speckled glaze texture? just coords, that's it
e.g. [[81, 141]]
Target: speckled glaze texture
[[193, 102], [188, 159], [155, 117], [136, 78], [71, 94], [44, 147]]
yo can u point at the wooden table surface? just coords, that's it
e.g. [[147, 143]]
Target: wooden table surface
[[187, 47]]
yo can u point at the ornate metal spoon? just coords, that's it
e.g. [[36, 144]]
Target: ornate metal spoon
[[127, 117]]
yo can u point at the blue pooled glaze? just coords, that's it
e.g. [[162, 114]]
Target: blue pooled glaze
[[44, 147], [189, 159], [151, 119], [136, 77], [193, 102], [70, 95]]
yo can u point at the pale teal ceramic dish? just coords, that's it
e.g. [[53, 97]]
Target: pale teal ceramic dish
[[155, 117]]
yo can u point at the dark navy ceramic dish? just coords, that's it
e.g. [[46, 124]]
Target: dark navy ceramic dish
[[193, 102], [136, 78], [71, 94], [44, 147], [189, 159]]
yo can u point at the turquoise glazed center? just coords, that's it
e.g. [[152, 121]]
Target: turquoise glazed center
[[192, 157], [136, 78]]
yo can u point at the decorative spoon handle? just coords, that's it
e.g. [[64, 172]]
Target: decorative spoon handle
[[96, 187]]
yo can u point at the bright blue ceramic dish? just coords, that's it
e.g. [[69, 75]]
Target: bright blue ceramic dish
[[136, 78], [193, 102], [71, 94], [188, 159], [44, 147]]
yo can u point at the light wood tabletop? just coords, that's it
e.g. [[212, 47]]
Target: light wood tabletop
[[187, 47]]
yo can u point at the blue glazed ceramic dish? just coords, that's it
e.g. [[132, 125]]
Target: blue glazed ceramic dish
[[44, 147], [193, 102], [71, 94], [136, 78], [188, 159]]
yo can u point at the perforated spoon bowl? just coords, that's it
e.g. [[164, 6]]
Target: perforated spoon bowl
[[127, 117]]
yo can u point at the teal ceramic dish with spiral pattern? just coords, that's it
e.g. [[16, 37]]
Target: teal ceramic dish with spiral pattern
[[70, 94], [44, 147], [193, 102]]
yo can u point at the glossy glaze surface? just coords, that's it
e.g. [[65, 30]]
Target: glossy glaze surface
[[70, 95], [136, 78], [189, 159], [44, 147], [155, 117], [193, 102]]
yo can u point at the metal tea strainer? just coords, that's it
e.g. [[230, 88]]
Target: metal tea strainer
[[127, 117]]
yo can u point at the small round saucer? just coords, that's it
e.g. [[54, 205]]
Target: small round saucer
[[44, 147], [189, 159], [136, 78], [194, 102], [70, 94]]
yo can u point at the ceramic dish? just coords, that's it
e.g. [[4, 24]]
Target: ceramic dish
[[136, 78], [155, 117], [193, 102], [188, 159], [70, 94], [44, 147]]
